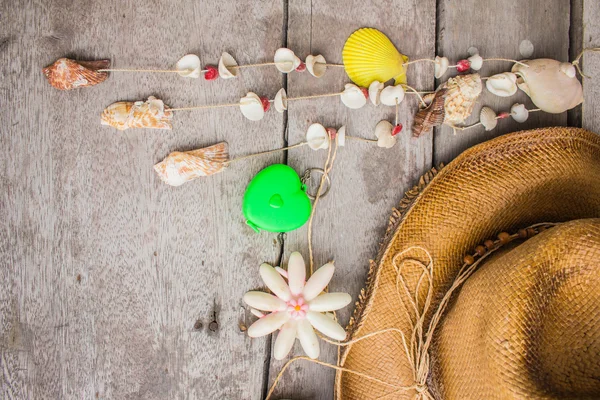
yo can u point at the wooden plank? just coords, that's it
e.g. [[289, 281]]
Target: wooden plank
[[498, 28], [367, 181], [591, 66], [105, 270]]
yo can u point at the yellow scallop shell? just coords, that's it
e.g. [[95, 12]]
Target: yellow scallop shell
[[369, 56]]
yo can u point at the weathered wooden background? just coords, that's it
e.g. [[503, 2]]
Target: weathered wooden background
[[116, 286]]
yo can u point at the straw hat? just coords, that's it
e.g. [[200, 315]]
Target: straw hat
[[513, 306]]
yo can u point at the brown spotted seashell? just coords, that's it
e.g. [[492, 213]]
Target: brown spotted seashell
[[432, 115], [67, 74], [181, 167], [128, 114]]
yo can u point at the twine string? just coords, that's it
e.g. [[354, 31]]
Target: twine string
[[203, 107], [578, 59], [263, 153], [417, 93], [146, 70]]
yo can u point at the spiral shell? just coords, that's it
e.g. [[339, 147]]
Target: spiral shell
[[128, 114], [432, 115], [462, 92], [67, 74]]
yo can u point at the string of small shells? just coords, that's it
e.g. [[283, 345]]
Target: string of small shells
[[488, 118]]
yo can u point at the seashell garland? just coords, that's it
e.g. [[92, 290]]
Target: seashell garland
[[128, 114], [67, 74], [181, 167]]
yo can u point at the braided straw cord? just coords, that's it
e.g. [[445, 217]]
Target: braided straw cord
[[513, 181]]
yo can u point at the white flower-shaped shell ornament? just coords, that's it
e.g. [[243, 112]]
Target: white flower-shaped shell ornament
[[341, 136], [285, 60], [226, 66], [375, 89], [317, 137], [188, 66], [296, 307], [316, 65], [503, 85], [519, 113], [353, 96], [252, 107], [476, 62], [392, 94], [441, 66], [383, 132], [551, 85], [280, 101], [488, 119]]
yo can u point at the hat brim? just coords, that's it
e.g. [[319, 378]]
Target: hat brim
[[543, 175]]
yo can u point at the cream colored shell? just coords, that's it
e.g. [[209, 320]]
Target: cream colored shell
[[461, 95], [285, 60], [227, 66], [316, 65], [252, 107], [383, 133], [280, 101], [375, 89], [353, 97], [391, 95], [550, 84], [487, 117], [503, 85], [316, 137], [441, 66], [188, 66], [123, 115]]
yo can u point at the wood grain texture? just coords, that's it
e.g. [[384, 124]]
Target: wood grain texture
[[497, 28], [367, 181], [591, 66], [105, 270]]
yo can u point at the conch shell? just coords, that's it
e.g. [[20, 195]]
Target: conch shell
[[67, 74], [452, 103], [551, 85], [181, 167], [128, 114]]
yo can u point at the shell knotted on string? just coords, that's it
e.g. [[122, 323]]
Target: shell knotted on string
[[139, 114], [227, 66], [180, 167], [188, 66], [551, 85], [67, 74], [369, 55], [316, 65]]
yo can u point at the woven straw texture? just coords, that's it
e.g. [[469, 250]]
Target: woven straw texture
[[544, 175]]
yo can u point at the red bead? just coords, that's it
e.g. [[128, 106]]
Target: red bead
[[365, 92], [503, 115], [301, 67], [397, 129], [332, 133], [211, 73], [463, 65], [265, 103]]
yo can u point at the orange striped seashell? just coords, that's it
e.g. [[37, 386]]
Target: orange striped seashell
[[67, 74], [181, 167], [128, 114]]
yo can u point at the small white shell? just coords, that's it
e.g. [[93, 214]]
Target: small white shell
[[280, 101], [375, 89], [251, 106], [316, 65], [317, 137], [188, 66], [441, 66], [568, 69], [503, 85], [476, 62], [341, 136], [519, 113], [487, 117], [383, 132], [391, 94], [226, 62], [285, 60], [353, 97]]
